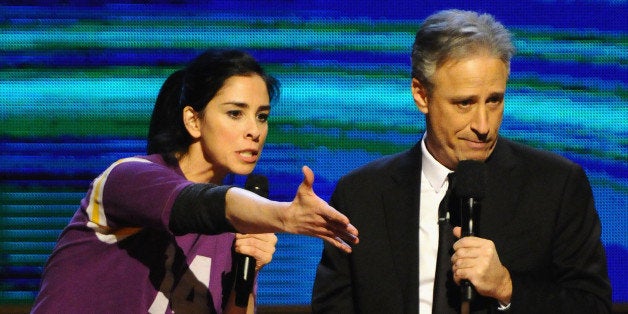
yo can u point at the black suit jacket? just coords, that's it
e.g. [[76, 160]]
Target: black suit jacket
[[538, 211]]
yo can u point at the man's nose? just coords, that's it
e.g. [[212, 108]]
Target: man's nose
[[480, 124]]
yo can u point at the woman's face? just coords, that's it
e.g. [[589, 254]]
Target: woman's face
[[233, 126]]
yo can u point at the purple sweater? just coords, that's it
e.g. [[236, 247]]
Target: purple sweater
[[118, 254]]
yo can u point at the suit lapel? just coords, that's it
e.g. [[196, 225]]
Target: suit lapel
[[504, 182], [401, 201]]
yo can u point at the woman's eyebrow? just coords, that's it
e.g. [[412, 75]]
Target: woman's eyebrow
[[245, 105]]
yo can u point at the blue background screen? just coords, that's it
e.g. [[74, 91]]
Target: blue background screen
[[78, 80]]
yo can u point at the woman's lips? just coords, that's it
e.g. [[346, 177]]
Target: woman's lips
[[248, 155]]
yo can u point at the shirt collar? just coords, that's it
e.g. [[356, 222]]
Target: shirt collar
[[434, 172]]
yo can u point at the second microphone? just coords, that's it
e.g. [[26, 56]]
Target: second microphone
[[245, 269]]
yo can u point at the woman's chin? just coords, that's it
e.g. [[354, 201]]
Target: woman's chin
[[243, 170]]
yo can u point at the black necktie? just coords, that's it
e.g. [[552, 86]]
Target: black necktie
[[444, 286]]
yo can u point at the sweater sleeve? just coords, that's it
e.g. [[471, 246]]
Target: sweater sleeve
[[133, 192], [200, 208]]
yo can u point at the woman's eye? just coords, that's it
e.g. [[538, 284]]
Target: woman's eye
[[234, 113], [263, 117]]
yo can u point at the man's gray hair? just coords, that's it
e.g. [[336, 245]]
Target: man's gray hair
[[456, 34]]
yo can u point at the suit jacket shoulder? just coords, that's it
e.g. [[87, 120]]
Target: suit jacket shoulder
[[532, 156], [404, 166], [540, 214]]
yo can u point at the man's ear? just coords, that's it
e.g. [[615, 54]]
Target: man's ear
[[419, 93], [191, 122]]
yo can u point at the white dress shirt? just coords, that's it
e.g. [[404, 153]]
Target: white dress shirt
[[434, 184]]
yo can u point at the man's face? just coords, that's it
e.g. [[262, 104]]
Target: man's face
[[465, 109]]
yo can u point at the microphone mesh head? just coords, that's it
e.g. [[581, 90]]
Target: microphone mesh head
[[470, 179], [257, 184]]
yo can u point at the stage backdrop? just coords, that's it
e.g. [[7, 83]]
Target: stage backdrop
[[78, 81]]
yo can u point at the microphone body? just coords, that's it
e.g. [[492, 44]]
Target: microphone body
[[245, 268], [469, 190], [470, 209]]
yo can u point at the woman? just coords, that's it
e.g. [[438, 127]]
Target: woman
[[153, 233]]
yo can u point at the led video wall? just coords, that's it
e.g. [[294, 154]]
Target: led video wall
[[78, 80]]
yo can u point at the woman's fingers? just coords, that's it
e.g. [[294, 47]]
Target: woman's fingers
[[259, 246], [310, 215]]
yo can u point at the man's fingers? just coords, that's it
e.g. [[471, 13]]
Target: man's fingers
[[458, 232]]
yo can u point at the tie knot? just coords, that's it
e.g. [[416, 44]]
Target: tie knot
[[443, 208], [451, 178]]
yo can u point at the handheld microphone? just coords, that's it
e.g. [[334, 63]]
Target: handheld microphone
[[470, 189], [245, 269]]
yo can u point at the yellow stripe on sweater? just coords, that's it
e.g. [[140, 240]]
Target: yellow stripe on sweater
[[95, 209]]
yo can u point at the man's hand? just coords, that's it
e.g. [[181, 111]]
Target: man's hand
[[475, 259]]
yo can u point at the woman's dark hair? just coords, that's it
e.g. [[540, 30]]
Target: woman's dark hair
[[166, 104], [195, 86]]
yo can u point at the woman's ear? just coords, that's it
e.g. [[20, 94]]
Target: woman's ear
[[191, 122], [419, 93]]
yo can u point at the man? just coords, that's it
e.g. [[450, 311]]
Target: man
[[539, 248]]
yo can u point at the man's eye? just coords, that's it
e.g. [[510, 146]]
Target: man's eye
[[495, 102], [465, 103]]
